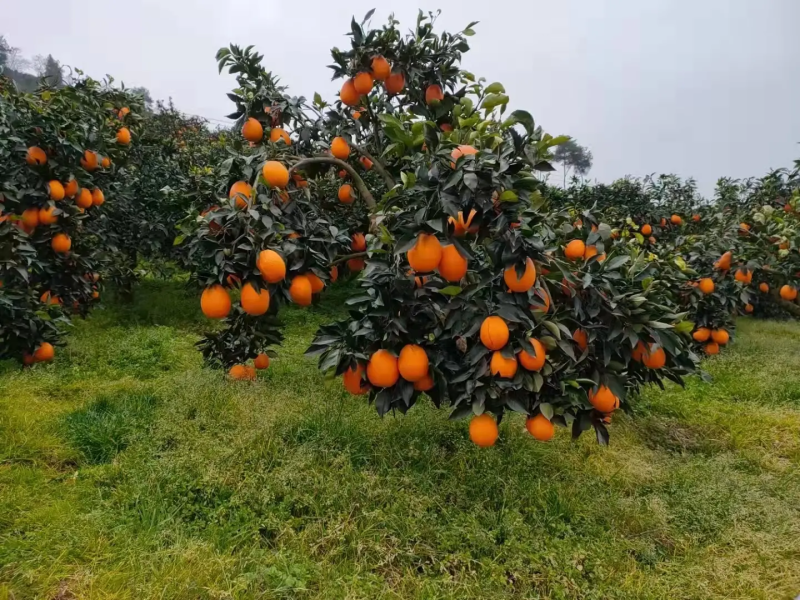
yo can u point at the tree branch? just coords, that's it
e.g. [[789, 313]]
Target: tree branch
[[362, 188], [789, 307], [377, 165], [347, 257]]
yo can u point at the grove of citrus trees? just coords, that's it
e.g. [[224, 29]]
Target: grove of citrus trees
[[478, 284]]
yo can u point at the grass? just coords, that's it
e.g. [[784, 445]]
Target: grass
[[127, 470]]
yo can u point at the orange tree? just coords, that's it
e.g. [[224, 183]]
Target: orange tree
[[476, 292], [58, 148]]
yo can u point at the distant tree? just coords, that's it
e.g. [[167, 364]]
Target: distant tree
[[573, 156], [11, 57], [144, 93], [5, 48], [49, 68]]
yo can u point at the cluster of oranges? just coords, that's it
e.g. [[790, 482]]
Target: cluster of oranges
[[361, 85]]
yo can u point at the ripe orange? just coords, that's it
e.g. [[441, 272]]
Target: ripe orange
[[365, 162], [424, 384], [61, 243], [696, 218], [748, 308], [346, 194], [123, 112], [646, 229], [215, 302], [56, 190], [720, 336], [575, 250], [413, 362], [744, 276], [261, 361], [46, 216], [540, 428], [89, 160], [300, 290], [84, 199], [701, 334], [71, 188], [356, 264], [502, 366], [675, 220], [462, 150], [98, 198], [544, 303], [44, 353], [724, 262], [254, 302], [275, 174], [30, 218], [603, 399], [446, 127], [106, 162], [243, 192], [461, 227], [711, 348], [764, 287], [356, 115], [340, 148], [353, 380], [581, 338], [788, 293], [381, 69], [494, 333], [433, 94], [334, 273], [654, 359], [744, 227], [359, 243], [35, 156], [395, 83], [233, 280], [271, 266], [452, 266], [317, 285], [363, 83], [299, 181], [520, 284], [49, 299], [382, 369], [592, 251], [124, 136], [638, 352], [426, 254], [252, 130], [483, 430], [531, 362], [242, 373], [348, 94], [277, 134], [706, 285]]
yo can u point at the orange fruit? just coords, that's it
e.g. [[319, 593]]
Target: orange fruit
[[365, 162], [356, 264], [413, 363], [346, 194], [261, 361], [646, 229], [123, 112], [124, 136], [520, 284], [35, 156], [348, 94], [540, 427], [340, 148], [461, 227], [49, 299], [44, 353], [531, 362], [720, 336], [581, 338], [462, 150], [433, 94], [353, 380], [254, 302], [446, 127], [300, 290], [252, 130], [382, 369], [215, 302], [743, 276], [381, 69], [675, 220], [84, 199], [106, 162], [46, 216], [696, 218], [748, 308], [502, 366], [575, 250], [275, 174], [494, 333], [701, 334], [98, 198], [356, 115], [603, 399], [242, 373], [243, 192], [61, 243], [30, 218], [334, 273], [788, 293], [706, 285], [544, 303], [724, 262], [317, 285], [56, 190], [452, 266], [638, 352], [424, 384], [277, 134], [395, 83], [271, 266], [89, 160], [654, 359], [363, 83], [483, 431], [651, 239], [426, 254], [711, 348], [359, 243], [71, 188], [764, 287]]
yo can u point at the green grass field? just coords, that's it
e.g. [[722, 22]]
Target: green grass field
[[127, 470]]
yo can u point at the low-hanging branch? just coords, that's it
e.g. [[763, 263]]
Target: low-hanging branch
[[789, 307], [347, 257], [362, 188], [377, 165]]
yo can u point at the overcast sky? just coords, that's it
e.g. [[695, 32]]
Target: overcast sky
[[702, 88]]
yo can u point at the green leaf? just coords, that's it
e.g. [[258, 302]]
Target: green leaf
[[451, 290], [495, 88], [684, 327], [178, 240], [547, 410], [509, 196]]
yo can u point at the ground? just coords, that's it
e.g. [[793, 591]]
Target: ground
[[127, 470]]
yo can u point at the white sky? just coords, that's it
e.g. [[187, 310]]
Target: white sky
[[702, 88]]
